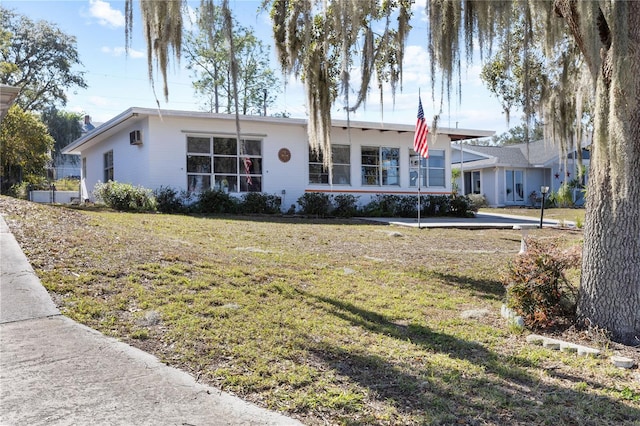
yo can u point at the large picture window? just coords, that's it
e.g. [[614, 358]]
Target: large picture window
[[380, 166], [108, 166], [224, 164], [430, 171], [341, 156]]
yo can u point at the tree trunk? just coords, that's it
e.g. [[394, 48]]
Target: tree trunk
[[610, 288]]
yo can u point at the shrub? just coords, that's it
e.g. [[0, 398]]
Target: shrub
[[537, 286], [125, 197], [345, 205], [315, 204], [392, 206], [435, 205], [477, 201], [461, 207], [216, 201], [169, 201], [258, 203]]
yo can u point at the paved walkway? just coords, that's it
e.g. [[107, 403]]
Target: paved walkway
[[481, 221], [54, 371]]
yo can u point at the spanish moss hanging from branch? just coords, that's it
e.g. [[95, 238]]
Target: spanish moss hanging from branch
[[320, 42]]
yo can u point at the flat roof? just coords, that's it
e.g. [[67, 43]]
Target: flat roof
[[137, 113]]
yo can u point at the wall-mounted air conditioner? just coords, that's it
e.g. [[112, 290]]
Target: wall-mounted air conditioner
[[135, 138]]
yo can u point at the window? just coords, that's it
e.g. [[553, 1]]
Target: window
[[108, 166], [380, 166], [341, 156], [472, 182], [223, 164], [514, 184], [431, 170]]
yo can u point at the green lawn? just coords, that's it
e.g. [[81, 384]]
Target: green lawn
[[331, 322]]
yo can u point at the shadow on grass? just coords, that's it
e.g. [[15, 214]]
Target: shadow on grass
[[484, 288], [434, 393]]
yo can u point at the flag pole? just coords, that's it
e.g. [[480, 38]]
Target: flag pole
[[419, 179], [421, 148]]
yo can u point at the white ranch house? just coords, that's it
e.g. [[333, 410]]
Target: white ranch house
[[193, 151]]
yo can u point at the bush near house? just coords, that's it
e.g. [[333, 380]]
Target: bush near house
[[537, 285], [259, 203], [125, 197]]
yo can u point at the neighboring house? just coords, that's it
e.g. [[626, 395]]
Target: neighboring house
[[512, 175], [194, 151], [68, 166]]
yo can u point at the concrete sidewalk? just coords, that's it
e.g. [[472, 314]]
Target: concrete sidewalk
[[481, 221], [54, 371]]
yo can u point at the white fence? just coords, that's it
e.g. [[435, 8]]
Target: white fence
[[50, 196]]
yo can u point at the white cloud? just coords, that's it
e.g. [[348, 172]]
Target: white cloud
[[121, 51], [106, 16]]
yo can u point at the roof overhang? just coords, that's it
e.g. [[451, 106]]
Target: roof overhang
[[137, 114], [8, 94]]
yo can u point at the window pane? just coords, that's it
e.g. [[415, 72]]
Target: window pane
[[198, 183], [225, 165], [251, 165], [370, 175], [509, 184], [199, 145], [225, 146], [315, 157], [198, 164], [436, 158], [341, 175], [252, 147], [317, 174], [370, 156], [341, 154], [226, 183], [250, 184], [436, 177], [519, 185]]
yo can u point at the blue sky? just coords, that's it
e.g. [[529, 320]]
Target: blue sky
[[117, 81]]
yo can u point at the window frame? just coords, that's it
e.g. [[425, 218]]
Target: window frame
[[242, 174], [316, 162], [108, 169], [374, 172], [426, 170]]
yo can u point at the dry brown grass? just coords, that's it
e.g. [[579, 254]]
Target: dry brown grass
[[332, 322]]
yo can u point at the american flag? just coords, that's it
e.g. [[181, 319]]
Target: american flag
[[420, 138], [247, 168]]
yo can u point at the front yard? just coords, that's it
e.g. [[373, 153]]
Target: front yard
[[331, 322]]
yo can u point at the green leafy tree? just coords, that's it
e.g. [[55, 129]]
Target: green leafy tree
[[64, 127], [39, 59], [208, 57], [25, 145]]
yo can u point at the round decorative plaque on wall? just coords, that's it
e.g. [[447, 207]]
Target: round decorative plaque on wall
[[284, 155]]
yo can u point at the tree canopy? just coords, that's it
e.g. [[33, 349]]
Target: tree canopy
[[64, 127], [208, 55], [25, 145], [39, 59]]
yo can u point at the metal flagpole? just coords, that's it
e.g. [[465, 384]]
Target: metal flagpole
[[419, 179]]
